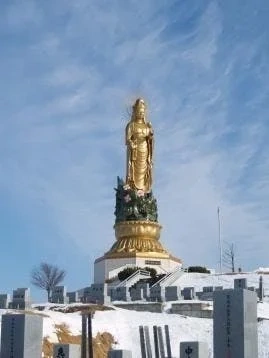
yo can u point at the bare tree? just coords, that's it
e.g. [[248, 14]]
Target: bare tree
[[228, 257], [47, 276]]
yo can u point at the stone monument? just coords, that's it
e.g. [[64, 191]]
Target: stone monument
[[240, 283], [194, 350], [66, 350], [4, 300], [21, 336], [58, 295], [137, 229], [235, 332], [119, 353], [20, 299]]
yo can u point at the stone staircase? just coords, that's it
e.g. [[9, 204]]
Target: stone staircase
[[170, 278], [134, 278]]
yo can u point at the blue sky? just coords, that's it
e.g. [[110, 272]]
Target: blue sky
[[70, 71]]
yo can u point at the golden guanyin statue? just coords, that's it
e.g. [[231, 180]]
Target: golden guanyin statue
[[139, 141], [137, 229]]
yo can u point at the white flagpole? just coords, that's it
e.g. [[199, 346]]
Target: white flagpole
[[220, 243]]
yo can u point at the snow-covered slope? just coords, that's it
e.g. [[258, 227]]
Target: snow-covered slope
[[123, 325], [200, 280]]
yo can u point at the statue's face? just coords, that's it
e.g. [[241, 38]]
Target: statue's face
[[140, 114]]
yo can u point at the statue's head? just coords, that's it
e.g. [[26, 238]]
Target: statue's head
[[139, 110]]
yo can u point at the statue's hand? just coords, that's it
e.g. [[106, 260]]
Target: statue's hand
[[150, 128], [133, 145]]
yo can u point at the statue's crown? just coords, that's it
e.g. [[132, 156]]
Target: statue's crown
[[139, 103]]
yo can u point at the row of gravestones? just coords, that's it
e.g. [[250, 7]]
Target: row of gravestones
[[157, 293], [20, 299], [234, 332], [96, 293], [143, 292], [100, 293]]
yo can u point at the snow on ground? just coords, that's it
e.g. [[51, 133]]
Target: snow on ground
[[262, 270], [263, 310], [200, 280]]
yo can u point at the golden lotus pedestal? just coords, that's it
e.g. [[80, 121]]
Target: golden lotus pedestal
[[136, 237], [137, 243]]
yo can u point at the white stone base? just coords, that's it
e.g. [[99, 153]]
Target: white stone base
[[107, 268]]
